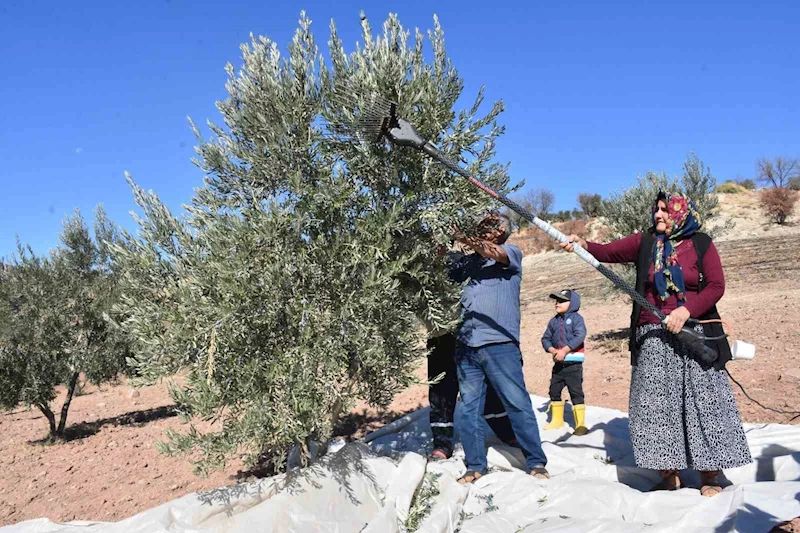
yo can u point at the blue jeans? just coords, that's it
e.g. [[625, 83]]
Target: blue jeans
[[500, 365]]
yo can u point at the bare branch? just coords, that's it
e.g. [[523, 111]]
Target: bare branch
[[777, 172]]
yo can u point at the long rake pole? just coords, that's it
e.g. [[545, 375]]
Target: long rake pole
[[378, 118], [694, 343], [554, 233]]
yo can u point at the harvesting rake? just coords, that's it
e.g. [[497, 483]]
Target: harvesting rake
[[375, 118]]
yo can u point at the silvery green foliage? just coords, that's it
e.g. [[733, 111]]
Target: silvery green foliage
[[699, 184], [53, 323], [629, 211], [295, 282], [422, 502]]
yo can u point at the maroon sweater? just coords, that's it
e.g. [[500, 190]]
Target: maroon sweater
[[626, 250]]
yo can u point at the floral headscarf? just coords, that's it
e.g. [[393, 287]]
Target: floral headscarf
[[683, 221]]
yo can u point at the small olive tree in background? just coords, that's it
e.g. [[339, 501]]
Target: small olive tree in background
[[629, 211], [293, 284], [591, 204], [748, 184], [53, 325]]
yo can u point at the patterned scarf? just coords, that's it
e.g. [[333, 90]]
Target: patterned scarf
[[682, 222]]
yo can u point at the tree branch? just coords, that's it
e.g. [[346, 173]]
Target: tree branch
[[51, 418]]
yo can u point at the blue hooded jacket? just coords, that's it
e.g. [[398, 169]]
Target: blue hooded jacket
[[567, 330]]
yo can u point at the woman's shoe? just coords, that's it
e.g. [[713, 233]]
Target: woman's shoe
[[709, 483], [670, 480]]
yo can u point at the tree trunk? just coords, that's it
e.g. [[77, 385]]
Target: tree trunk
[[64, 408], [336, 410], [51, 418]]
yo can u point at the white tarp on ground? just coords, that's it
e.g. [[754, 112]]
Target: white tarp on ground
[[595, 487]]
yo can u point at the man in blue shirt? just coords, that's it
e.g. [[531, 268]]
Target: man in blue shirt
[[488, 346]]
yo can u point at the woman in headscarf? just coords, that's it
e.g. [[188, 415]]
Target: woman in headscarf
[[682, 413]]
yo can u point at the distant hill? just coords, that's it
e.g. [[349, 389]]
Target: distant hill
[[741, 207]]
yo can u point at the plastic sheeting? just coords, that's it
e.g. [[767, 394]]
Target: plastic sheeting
[[369, 487]]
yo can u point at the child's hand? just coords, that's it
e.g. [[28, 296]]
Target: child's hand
[[561, 355]]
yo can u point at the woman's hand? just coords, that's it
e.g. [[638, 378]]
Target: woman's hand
[[568, 246], [676, 319]]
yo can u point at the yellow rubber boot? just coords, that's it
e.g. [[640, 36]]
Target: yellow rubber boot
[[579, 412], [557, 415]]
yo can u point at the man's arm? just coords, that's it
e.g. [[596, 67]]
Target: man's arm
[[487, 249]]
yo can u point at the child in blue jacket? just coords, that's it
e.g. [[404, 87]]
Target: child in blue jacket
[[563, 339]]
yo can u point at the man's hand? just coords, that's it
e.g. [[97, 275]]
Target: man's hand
[[457, 233], [486, 249], [677, 319], [483, 247]]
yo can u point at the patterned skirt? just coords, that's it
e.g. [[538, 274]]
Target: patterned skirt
[[681, 415]]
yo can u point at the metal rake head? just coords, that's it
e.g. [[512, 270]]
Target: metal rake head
[[369, 117]]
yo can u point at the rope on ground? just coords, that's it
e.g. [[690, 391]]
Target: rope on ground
[[779, 411]]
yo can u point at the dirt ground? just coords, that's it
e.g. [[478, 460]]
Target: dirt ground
[[110, 469]]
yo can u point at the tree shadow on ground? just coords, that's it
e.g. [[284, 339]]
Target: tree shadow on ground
[[615, 340], [341, 466], [619, 454], [133, 418], [355, 425], [749, 518], [766, 469], [352, 426]]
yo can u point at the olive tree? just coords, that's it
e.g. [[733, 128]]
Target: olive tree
[[296, 280]]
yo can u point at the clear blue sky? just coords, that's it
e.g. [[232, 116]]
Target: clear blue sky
[[596, 92]]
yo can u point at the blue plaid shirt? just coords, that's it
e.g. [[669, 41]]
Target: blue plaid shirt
[[490, 302]]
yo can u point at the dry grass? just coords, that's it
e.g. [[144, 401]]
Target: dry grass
[[730, 187]]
